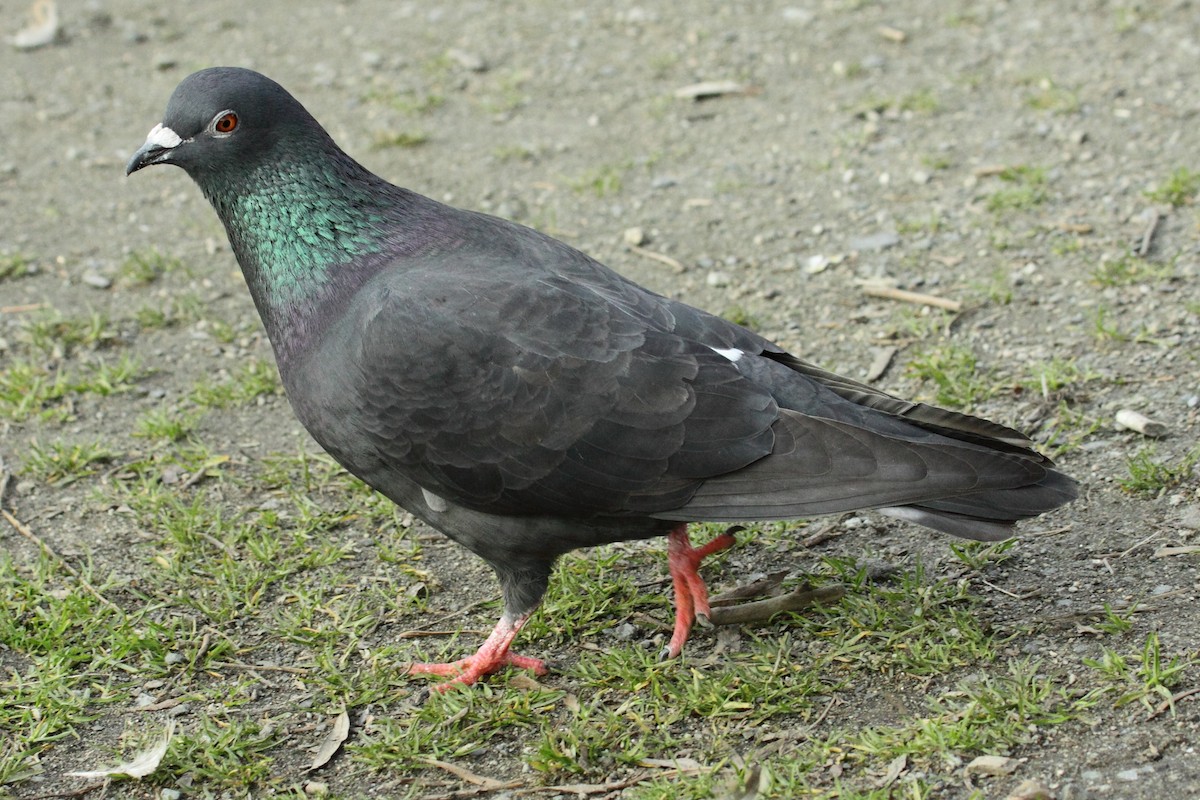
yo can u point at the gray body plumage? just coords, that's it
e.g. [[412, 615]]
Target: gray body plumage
[[525, 400]]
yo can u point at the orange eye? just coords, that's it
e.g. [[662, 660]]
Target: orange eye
[[226, 123]]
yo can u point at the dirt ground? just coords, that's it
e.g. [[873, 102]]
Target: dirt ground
[[1002, 154]]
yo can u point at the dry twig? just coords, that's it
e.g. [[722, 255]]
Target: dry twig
[[22, 529], [1171, 701], [764, 610], [1147, 242], [756, 588], [659, 257], [905, 296]]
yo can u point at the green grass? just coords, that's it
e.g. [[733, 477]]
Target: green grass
[[955, 374], [1152, 475], [30, 389], [144, 267], [1107, 329], [1056, 376], [54, 335], [1025, 189], [269, 592], [15, 265], [503, 91], [919, 101], [60, 463], [1049, 96], [410, 102], [63, 645], [163, 424], [602, 181], [282, 580], [179, 309], [1067, 428], [1178, 190], [1130, 270], [980, 555], [401, 139], [1146, 676], [739, 315], [255, 379]]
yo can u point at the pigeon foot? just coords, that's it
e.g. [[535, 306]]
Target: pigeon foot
[[691, 593], [492, 655]]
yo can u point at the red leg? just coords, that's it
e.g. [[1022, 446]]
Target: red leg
[[691, 595], [490, 657]]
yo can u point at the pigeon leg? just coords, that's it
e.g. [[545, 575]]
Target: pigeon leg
[[691, 594], [490, 657]]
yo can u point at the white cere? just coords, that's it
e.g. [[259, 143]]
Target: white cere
[[163, 136]]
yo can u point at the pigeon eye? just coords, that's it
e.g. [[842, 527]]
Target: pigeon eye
[[226, 123]]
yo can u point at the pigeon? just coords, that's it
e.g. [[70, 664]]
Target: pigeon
[[526, 400]]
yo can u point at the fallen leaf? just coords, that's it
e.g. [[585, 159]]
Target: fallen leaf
[[490, 784], [898, 765], [333, 741], [991, 765], [525, 683], [139, 766]]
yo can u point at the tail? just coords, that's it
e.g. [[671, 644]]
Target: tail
[[972, 484]]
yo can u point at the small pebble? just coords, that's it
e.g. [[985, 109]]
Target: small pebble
[[1031, 790], [875, 241], [96, 280], [625, 632], [816, 264], [472, 62]]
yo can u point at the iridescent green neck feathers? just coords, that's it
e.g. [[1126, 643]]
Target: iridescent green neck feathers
[[293, 223]]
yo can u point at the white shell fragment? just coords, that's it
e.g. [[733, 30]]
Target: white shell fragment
[[42, 28], [1140, 423]]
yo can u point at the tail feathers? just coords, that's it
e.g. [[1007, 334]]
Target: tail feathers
[[963, 427], [822, 466], [953, 524]]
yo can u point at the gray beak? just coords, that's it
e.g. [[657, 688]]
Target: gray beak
[[157, 149]]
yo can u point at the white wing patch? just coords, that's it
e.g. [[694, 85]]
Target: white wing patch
[[733, 354], [434, 502]]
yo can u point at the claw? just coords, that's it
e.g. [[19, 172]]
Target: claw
[[491, 656], [691, 594]]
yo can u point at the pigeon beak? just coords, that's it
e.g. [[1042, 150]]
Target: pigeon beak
[[157, 149]]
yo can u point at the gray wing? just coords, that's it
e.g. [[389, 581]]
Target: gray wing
[[532, 380], [542, 396]]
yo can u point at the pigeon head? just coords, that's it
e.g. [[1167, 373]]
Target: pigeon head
[[223, 119], [305, 221]]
